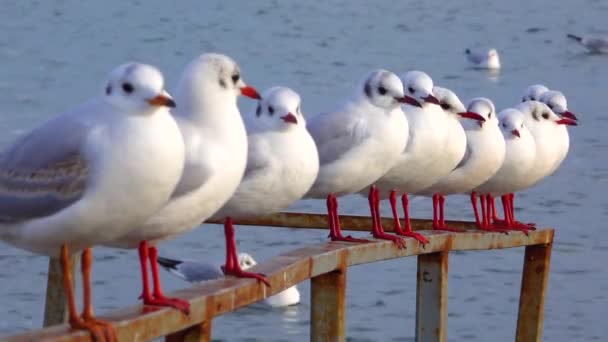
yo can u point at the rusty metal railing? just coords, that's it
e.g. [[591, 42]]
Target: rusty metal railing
[[326, 265]]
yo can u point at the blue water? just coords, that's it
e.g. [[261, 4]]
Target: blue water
[[55, 54]]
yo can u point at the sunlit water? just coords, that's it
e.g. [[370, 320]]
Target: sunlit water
[[55, 54]]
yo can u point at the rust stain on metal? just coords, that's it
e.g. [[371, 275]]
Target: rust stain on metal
[[224, 295]]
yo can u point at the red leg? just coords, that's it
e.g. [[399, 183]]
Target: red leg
[[441, 222], [474, 204], [87, 313], [159, 296], [235, 268], [486, 212], [335, 233], [396, 223], [377, 230], [408, 226]]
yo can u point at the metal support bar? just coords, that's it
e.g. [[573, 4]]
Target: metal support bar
[[197, 333], [432, 297], [328, 306], [55, 308], [534, 281]]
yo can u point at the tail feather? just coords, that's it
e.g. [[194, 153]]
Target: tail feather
[[577, 38], [170, 264]]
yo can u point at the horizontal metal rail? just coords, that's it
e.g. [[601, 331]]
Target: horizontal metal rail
[[326, 265]]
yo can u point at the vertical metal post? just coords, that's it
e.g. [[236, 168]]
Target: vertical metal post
[[534, 281], [197, 333], [55, 308], [432, 297], [328, 306]]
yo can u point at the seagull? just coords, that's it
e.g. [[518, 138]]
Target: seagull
[[593, 44], [216, 154], [534, 92], [358, 143], [484, 155], [198, 272], [485, 59], [520, 156], [282, 165], [89, 175], [456, 142], [420, 164], [544, 125], [556, 101]]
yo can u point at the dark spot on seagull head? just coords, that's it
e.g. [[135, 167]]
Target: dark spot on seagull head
[[368, 89], [109, 89], [258, 110], [223, 83]]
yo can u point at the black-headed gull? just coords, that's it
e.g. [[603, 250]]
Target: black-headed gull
[[282, 164], [197, 272], [483, 59], [420, 164], [357, 143], [520, 156], [534, 92], [90, 174], [485, 152], [455, 145], [216, 154], [544, 125], [593, 44]]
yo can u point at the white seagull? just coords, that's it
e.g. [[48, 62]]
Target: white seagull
[[483, 59], [282, 165], [198, 272], [90, 174], [534, 92], [216, 154], [456, 143], [593, 44], [556, 101], [519, 159], [484, 155], [420, 164], [544, 125], [358, 143]]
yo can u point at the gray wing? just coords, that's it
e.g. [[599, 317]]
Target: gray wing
[[197, 272], [44, 171], [336, 134], [465, 158], [475, 57], [597, 44]]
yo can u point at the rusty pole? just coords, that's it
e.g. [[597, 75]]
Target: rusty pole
[[534, 281], [197, 333], [328, 306], [432, 297], [55, 307]]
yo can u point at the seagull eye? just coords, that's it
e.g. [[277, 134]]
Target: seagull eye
[[236, 78], [382, 90], [545, 115], [127, 87], [411, 90], [270, 110], [489, 115], [523, 99], [258, 110], [445, 106]]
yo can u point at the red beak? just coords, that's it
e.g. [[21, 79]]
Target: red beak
[[409, 100], [566, 121], [250, 92], [516, 133], [472, 115], [431, 99], [290, 118], [569, 115]]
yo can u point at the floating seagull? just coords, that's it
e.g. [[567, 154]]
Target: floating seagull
[[483, 59], [593, 44], [90, 175], [216, 154], [197, 272]]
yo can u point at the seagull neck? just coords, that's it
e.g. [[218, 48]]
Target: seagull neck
[[208, 111]]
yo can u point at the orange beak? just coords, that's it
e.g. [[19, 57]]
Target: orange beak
[[162, 100], [250, 92]]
